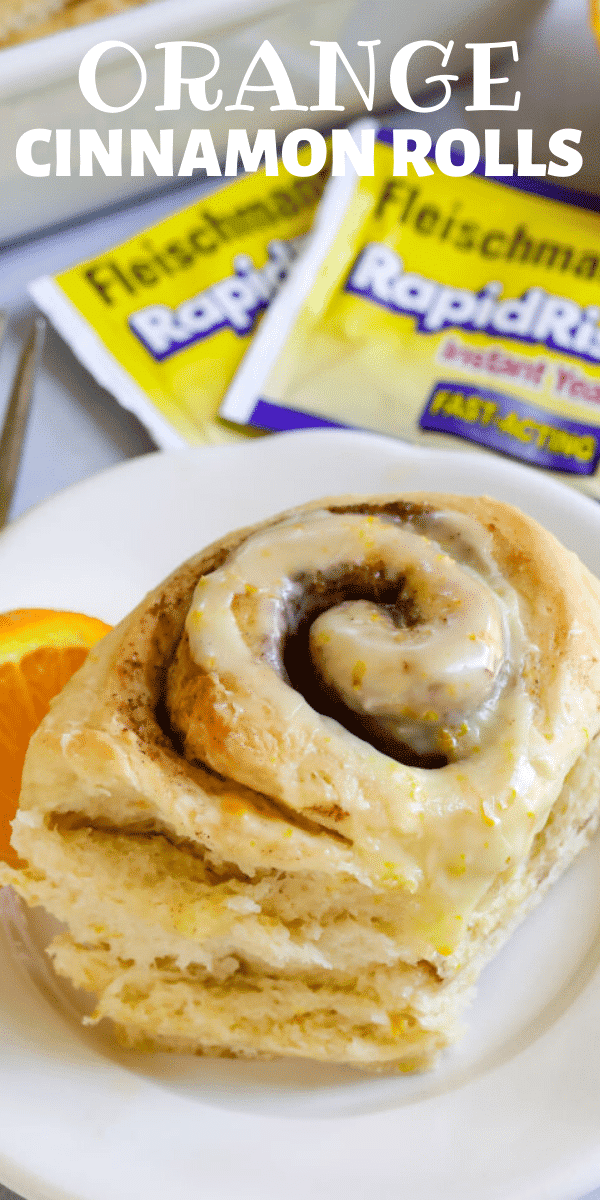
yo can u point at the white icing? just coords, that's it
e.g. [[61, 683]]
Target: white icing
[[440, 835], [433, 686]]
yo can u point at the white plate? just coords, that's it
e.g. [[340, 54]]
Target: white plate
[[512, 1114]]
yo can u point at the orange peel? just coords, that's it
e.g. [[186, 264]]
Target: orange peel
[[40, 649]]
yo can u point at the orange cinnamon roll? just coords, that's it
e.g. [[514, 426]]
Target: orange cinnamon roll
[[303, 793]]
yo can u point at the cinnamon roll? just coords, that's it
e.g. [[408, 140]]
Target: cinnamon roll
[[297, 799]]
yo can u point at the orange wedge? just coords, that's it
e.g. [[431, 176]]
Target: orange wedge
[[595, 17], [39, 651]]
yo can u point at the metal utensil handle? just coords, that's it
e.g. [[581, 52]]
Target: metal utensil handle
[[17, 412]]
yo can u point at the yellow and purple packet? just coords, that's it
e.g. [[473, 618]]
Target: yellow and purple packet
[[163, 320], [438, 308]]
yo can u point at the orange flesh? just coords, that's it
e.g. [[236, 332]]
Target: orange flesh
[[39, 651]]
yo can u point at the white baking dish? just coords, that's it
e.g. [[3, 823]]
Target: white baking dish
[[39, 80]]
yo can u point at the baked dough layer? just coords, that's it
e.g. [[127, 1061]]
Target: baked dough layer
[[213, 916], [25, 20]]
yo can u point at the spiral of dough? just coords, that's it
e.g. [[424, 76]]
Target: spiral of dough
[[417, 656], [334, 642]]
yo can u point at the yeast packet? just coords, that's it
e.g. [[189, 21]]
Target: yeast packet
[[448, 311], [163, 320]]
